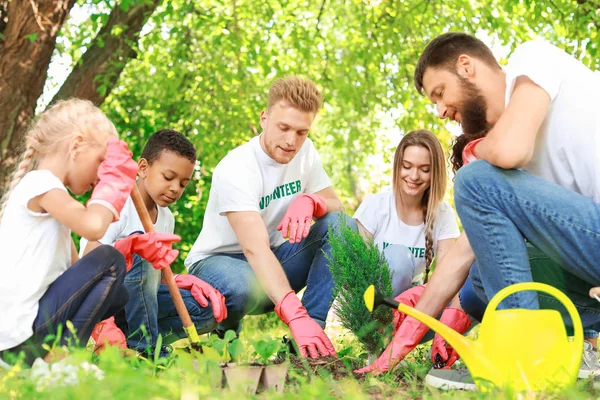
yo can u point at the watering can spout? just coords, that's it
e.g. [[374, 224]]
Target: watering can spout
[[469, 350]]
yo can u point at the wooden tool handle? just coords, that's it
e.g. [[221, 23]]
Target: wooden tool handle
[[167, 273]]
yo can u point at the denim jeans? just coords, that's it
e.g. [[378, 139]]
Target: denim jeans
[[502, 209], [546, 271], [86, 293], [304, 264], [142, 282], [150, 306], [169, 323], [401, 266]]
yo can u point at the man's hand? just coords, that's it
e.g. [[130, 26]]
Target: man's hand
[[298, 217], [468, 154], [201, 291], [309, 335], [460, 322]]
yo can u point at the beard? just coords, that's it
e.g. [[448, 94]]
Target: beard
[[473, 110]]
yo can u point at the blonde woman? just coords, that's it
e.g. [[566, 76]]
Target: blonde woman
[[411, 222]]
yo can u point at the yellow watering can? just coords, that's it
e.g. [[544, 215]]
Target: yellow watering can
[[517, 349]]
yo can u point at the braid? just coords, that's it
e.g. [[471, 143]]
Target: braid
[[60, 122], [428, 243], [25, 165]]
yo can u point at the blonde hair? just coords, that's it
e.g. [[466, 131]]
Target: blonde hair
[[299, 92], [437, 188], [61, 122]]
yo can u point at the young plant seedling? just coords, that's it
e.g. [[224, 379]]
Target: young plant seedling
[[266, 348]]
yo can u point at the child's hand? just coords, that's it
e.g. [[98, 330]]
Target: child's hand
[[154, 247], [116, 177], [201, 291]]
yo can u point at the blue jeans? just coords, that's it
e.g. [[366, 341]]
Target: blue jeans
[[502, 209], [150, 306], [543, 270], [86, 293], [142, 282], [401, 266], [304, 264]]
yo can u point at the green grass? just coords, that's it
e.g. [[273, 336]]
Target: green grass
[[135, 378]]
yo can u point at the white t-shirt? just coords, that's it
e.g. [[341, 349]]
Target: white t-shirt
[[567, 148], [36, 250], [247, 179], [377, 213], [130, 222]]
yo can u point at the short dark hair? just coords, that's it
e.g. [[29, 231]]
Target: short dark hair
[[168, 140], [444, 50]]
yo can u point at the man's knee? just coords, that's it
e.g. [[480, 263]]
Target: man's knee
[[240, 288], [334, 220]]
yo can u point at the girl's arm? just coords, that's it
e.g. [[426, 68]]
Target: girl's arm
[[88, 222], [91, 245], [368, 236], [74, 255]]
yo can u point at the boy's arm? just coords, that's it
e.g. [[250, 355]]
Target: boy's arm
[[331, 199], [510, 143]]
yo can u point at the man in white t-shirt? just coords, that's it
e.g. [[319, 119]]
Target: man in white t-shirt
[[533, 173], [262, 193]]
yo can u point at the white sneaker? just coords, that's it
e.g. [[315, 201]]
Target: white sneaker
[[450, 379], [62, 373], [590, 366]]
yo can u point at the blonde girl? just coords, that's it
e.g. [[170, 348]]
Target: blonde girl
[[410, 222], [44, 284]]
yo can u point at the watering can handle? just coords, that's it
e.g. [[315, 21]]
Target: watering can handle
[[542, 287]]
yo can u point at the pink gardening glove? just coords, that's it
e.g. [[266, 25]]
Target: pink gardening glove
[[200, 291], [409, 297], [460, 322], [107, 332], [154, 247], [299, 214], [468, 154], [116, 177], [310, 337], [405, 340]]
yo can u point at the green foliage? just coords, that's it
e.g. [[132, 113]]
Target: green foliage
[[354, 266], [204, 68], [230, 348], [266, 348]]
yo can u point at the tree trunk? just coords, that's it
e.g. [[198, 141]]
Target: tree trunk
[[98, 70], [29, 29]]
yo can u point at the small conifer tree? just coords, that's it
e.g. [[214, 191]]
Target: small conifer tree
[[354, 266]]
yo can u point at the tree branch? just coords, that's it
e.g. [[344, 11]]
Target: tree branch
[[98, 71]]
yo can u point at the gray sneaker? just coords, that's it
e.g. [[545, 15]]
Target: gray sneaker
[[590, 366], [450, 379]]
